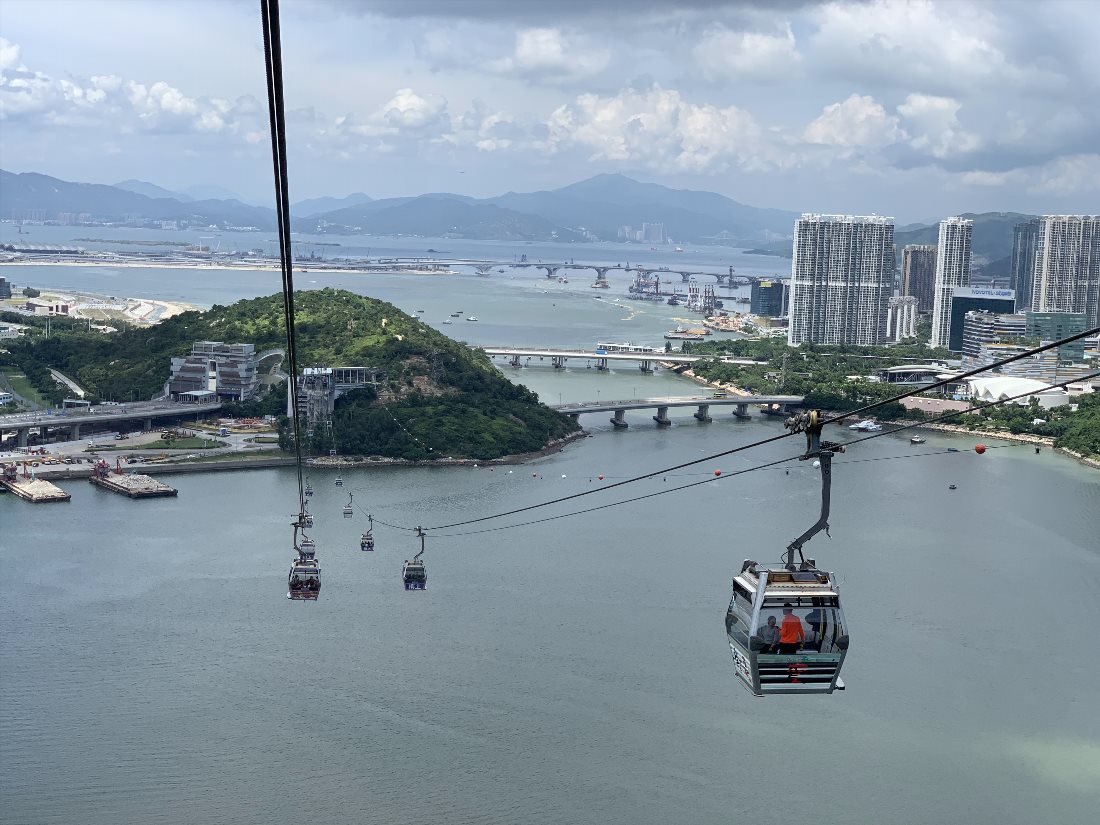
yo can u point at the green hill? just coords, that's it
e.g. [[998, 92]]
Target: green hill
[[438, 398]]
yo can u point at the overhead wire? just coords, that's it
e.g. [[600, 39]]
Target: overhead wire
[[761, 442], [273, 64], [770, 464]]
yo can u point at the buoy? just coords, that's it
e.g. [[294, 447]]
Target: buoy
[[718, 472], [816, 463], [534, 475], [979, 449], [600, 478], [563, 475]]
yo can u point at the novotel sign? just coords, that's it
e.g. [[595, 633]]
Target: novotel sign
[[976, 292]]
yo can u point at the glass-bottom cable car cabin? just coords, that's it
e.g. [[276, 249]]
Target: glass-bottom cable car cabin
[[786, 630]]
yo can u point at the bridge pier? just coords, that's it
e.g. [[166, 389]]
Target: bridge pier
[[21, 438], [74, 432], [619, 419], [646, 366], [551, 271], [558, 361], [147, 425], [703, 413], [741, 411], [601, 274], [662, 418], [601, 364], [685, 277], [515, 362]]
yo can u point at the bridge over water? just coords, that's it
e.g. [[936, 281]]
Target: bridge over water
[[768, 405], [645, 360]]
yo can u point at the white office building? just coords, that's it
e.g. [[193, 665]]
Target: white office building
[[952, 270], [842, 275], [1067, 266]]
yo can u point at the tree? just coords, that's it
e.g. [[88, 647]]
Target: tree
[[31, 292]]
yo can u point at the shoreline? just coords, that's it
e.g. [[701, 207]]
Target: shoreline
[[325, 462], [131, 264]]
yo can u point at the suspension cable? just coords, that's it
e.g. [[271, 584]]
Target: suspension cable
[[273, 61], [770, 464], [761, 442]]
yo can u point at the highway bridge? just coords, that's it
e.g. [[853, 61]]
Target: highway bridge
[[520, 357], [768, 405], [72, 422]]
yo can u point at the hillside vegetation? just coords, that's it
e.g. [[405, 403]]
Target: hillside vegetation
[[438, 397]]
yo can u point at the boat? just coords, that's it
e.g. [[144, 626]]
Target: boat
[[917, 439], [674, 301], [866, 426], [952, 487], [471, 318], [447, 321], [682, 333], [456, 314]]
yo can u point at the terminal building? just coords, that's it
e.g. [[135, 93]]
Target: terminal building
[[215, 370], [319, 387]]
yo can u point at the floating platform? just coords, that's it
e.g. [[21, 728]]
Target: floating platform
[[134, 485], [35, 490]]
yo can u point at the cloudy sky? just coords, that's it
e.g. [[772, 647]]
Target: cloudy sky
[[914, 109]]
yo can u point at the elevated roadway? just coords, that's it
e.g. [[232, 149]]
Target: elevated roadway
[[559, 357], [768, 404], [144, 413]]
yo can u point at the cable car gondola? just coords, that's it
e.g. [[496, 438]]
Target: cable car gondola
[[304, 579], [414, 573], [309, 490], [305, 517], [366, 541], [348, 511], [339, 482], [784, 624]]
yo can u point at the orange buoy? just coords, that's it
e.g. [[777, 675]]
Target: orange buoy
[[979, 449], [718, 472], [600, 478]]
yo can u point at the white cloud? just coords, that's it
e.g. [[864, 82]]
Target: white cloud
[[920, 44], [408, 113], [1069, 175], [123, 105], [659, 129], [934, 125], [729, 55], [547, 55], [858, 122]]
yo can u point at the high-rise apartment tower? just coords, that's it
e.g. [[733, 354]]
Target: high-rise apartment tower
[[842, 276], [918, 274], [952, 270], [1067, 266]]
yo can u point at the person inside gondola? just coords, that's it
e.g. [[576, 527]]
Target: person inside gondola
[[769, 635], [791, 634]]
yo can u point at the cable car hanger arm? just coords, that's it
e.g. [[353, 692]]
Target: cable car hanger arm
[[811, 423]]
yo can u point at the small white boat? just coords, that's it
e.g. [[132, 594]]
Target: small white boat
[[866, 426], [917, 439], [471, 318]]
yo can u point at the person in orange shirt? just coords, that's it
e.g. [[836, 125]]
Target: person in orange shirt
[[791, 634]]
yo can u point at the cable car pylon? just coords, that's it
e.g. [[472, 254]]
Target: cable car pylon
[[785, 626]]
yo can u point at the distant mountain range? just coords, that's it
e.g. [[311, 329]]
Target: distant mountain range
[[595, 207]]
